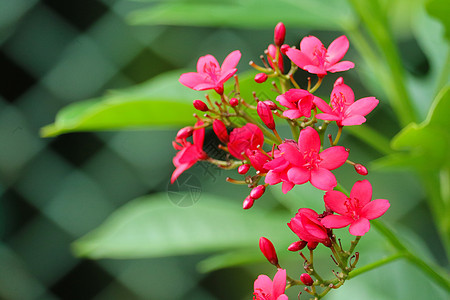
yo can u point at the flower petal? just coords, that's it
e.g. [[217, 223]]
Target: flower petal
[[263, 283], [283, 297], [207, 61], [279, 283], [286, 186], [299, 175], [308, 140], [362, 191], [328, 117], [341, 66], [290, 153], [226, 75], [353, 120], [199, 134], [343, 90], [335, 200], [231, 61], [359, 227], [299, 58], [292, 114], [309, 44], [375, 209], [333, 157], [336, 221], [192, 79], [315, 69], [362, 107], [322, 105], [272, 178], [323, 179], [337, 49]]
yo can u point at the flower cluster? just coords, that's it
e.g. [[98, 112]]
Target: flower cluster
[[259, 153]]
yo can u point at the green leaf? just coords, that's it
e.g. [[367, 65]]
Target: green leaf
[[152, 226], [440, 10], [247, 13]]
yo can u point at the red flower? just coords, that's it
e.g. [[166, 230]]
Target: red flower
[[272, 52], [302, 162], [316, 59], [210, 75], [189, 153], [355, 210], [265, 289], [306, 226], [343, 108], [299, 103], [249, 136]]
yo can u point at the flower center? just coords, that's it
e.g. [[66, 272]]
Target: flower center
[[312, 159], [352, 205], [338, 102], [261, 295], [212, 70], [320, 54]]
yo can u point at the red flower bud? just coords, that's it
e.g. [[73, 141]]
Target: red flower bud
[[339, 81], [248, 202], [257, 192], [271, 104], [361, 170], [268, 250], [200, 105], [243, 169], [265, 114], [279, 34], [234, 102], [312, 245], [284, 48], [306, 279], [185, 132], [297, 246], [260, 77], [221, 131]]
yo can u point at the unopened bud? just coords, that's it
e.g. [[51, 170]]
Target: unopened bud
[[361, 170], [297, 246], [260, 77], [268, 250], [306, 279], [221, 131], [243, 169], [185, 132], [234, 102], [339, 81], [279, 34], [284, 48], [257, 192], [312, 245], [248, 202], [270, 104], [265, 114], [200, 105]]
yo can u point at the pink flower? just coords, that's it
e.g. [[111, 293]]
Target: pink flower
[[306, 226], [316, 59], [302, 162], [265, 289], [272, 53], [249, 136], [210, 75], [299, 103], [355, 210], [189, 153], [343, 108]]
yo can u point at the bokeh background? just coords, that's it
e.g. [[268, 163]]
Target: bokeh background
[[55, 190]]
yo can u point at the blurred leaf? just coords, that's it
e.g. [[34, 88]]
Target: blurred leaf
[[329, 15], [152, 226], [427, 145], [440, 10]]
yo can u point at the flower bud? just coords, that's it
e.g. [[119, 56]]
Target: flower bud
[[339, 81], [279, 34], [297, 246], [265, 114], [248, 202], [312, 245], [258, 191], [361, 170], [243, 169], [271, 104], [200, 105], [268, 250], [221, 131], [185, 132], [260, 77], [284, 48], [234, 102], [306, 279]]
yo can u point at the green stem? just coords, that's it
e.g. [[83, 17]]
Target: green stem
[[375, 265]]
